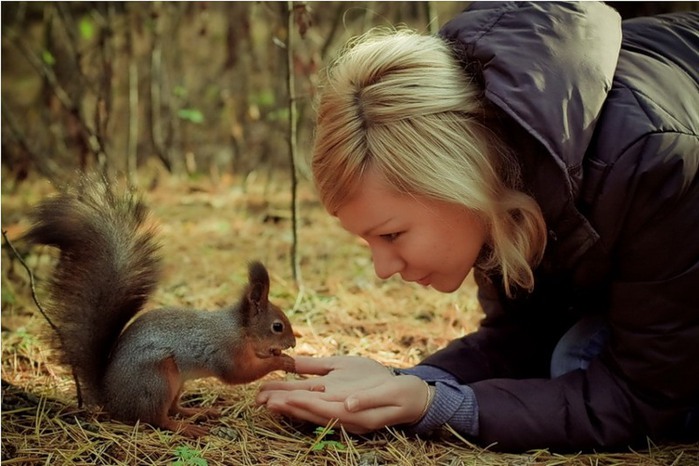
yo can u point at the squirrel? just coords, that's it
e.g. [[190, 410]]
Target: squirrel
[[134, 367]]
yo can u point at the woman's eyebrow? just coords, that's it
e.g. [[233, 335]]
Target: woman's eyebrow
[[370, 231]]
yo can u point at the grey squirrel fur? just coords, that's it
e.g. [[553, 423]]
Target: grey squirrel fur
[[108, 267]]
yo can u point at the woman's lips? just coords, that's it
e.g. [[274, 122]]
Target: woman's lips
[[425, 281]]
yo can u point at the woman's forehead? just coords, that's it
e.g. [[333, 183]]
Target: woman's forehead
[[375, 204]]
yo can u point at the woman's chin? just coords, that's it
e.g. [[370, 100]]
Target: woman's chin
[[446, 287]]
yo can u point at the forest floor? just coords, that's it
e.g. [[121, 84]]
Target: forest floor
[[209, 232]]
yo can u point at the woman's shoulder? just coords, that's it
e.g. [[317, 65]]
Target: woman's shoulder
[[649, 125]]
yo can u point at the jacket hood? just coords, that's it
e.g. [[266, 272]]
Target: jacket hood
[[548, 65]]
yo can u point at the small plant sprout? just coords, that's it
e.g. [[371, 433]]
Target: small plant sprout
[[321, 443], [187, 456]]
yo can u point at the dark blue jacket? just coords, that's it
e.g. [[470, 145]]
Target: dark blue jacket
[[604, 116]]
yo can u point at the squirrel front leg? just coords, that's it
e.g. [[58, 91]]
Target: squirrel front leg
[[282, 362]]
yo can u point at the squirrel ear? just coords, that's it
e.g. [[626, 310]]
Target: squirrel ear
[[258, 287]]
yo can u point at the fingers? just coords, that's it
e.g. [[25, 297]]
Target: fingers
[[300, 413], [405, 393], [321, 408], [284, 407], [271, 390], [314, 366], [310, 407], [324, 365], [357, 423], [320, 411], [312, 385], [306, 365]]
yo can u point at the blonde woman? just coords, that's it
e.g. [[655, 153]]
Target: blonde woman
[[553, 151]]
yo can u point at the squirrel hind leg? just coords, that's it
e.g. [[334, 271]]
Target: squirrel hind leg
[[207, 413], [177, 409], [164, 401], [182, 427], [171, 374], [146, 395]]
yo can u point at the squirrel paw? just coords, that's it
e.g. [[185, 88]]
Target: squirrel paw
[[184, 428], [192, 430], [288, 364], [196, 413]]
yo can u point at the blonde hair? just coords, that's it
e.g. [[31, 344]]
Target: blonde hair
[[400, 102]]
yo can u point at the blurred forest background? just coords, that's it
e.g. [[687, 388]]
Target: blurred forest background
[[195, 87]]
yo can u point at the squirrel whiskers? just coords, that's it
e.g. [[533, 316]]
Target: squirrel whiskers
[[108, 267]]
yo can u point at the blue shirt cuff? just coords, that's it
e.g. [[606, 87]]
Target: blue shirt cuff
[[428, 373], [453, 404]]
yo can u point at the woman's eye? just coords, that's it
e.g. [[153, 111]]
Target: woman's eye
[[390, 237]]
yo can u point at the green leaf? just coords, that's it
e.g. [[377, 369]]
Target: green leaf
[[180, 91], [321, 444], [323, 431], [48, 58], [188, 457], [327, 444], [87, 29], [26, 339], [8, 294], [264, 98], [281, 114], [336, 445], [191, 114]]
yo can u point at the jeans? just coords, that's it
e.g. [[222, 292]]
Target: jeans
[[579, 345]]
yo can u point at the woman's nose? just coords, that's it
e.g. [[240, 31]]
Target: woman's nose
[[386, 263]]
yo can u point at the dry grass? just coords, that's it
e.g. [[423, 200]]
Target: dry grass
[[209, 232]]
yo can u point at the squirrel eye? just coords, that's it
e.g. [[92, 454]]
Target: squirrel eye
[[277, 327]]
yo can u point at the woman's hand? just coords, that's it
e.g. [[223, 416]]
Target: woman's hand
[[359, 392]]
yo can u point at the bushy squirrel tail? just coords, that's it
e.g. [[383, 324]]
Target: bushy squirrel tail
[[107, 269]]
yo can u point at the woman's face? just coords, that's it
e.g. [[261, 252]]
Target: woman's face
[[433, 243]]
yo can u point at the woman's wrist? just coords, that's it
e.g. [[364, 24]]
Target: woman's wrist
[[452, 404], [429, 395], [429, 398]]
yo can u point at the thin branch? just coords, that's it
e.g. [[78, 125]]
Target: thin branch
[[330, 36], [31, 280], [103, 105], [431, 17], [41, 309], [69, 28], [132, 135], [295, 267], [156, 82]]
